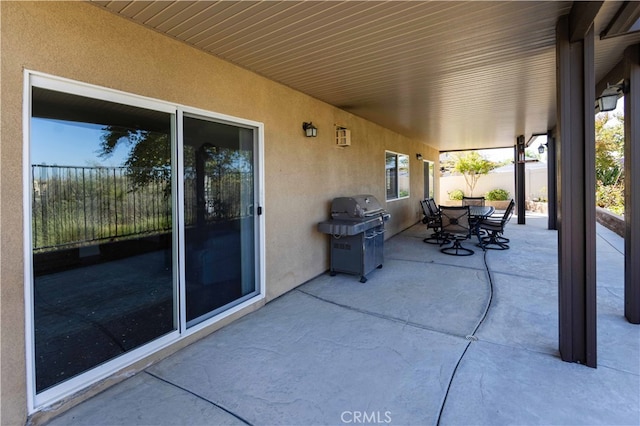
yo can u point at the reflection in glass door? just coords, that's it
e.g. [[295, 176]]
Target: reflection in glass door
[[102, 232], [219, 200]]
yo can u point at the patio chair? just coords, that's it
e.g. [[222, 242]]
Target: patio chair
[[473, 201], [433, 221], [497, 216], [495, 228], [433, 206], [457, 228], [425, 211]]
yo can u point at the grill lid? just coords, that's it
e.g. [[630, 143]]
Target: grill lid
[[356, 207]]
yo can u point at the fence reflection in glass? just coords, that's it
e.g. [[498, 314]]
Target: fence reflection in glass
[[219, 203], [101, 231]]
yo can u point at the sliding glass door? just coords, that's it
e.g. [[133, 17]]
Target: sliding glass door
[[141, 221], [219, 205]]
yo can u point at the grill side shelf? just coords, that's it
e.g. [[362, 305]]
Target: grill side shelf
[[347, 227]]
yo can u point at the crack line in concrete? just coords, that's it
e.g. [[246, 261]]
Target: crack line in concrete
[[377, 315], [432, 262], [243, 420]]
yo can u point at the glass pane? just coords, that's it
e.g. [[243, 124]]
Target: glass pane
[[403, 175], [219, 217], [428, 185], [432, 177], [391, 175], [102, 231]]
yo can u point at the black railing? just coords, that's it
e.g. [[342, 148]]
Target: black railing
[[74, 206]]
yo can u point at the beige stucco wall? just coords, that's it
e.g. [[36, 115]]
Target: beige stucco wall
[[79, 41]]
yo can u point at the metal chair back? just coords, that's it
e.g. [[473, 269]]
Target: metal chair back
[[455, 221], [506, 217], [457, 228], [432, 220], [495, 240], [426, 211], [435, 210], [473, 201]]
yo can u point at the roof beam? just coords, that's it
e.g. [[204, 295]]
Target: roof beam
[[581, 18], [624, 19]]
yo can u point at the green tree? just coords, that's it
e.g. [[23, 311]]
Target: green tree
[[609, 162], [472, 166], [609, 148], [149, 157], [532, 154]]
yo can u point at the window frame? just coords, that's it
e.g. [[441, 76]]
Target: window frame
[[402, 191]]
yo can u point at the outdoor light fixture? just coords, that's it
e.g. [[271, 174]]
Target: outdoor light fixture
[[609, 97], [542, 147], [419, 156], [310, 130]]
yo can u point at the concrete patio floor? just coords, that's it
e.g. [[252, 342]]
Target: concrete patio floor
[[429, 339]]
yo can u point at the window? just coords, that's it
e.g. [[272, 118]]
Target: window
[[396, 175]]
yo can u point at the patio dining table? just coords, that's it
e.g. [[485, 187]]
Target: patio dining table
[[481, 212], [477, 214]]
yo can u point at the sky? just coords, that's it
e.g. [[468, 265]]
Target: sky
[[65, 143], [498, 154]]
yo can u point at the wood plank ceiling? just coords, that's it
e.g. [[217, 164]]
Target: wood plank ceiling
[[456, 75]]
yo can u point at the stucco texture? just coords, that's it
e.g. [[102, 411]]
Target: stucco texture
[[79, 41]]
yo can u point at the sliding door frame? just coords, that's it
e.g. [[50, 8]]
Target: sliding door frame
[[38, 401], [259, 243]]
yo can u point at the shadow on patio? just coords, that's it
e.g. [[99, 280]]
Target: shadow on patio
[[428, 339]]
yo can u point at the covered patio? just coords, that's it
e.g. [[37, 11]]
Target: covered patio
[[429, 339]]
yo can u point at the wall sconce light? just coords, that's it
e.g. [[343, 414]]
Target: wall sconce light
[[310, 130], [609, 97], [542, 147], [419, 156]]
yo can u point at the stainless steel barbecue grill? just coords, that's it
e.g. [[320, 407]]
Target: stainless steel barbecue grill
[[357, 234]]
